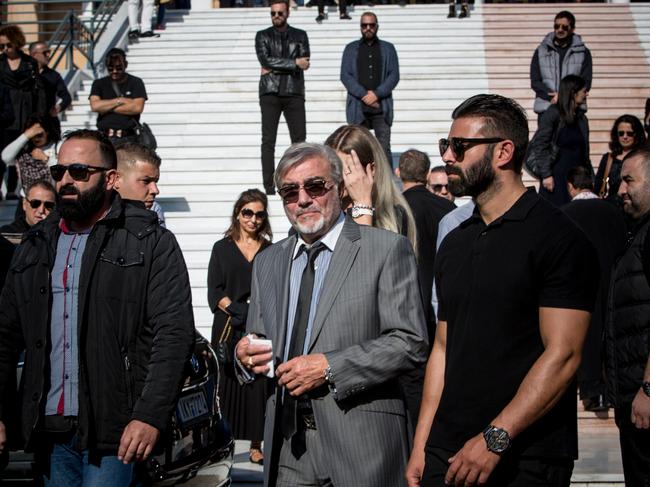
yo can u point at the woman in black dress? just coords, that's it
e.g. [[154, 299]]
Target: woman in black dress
[[229, 288], [627, 134], [563, 133]]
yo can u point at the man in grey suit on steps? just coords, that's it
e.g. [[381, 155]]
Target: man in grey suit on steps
[[340, 303]]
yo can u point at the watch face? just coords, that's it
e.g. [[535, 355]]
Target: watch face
[[497, 440]]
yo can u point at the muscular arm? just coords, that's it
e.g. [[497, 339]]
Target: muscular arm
[[123, 106], [563, 333]]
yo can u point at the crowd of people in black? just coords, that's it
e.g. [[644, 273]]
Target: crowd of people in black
[[392, 338]]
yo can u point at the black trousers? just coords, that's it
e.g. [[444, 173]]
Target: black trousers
[[272, 107], [635, 448], [376, 123], [510, 472], [323, 3]]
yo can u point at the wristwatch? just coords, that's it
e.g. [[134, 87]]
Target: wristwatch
[[358, 210], [497, 439], [646, 388], [329, 378]]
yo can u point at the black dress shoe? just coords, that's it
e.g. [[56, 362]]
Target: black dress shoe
[[345, 16], [596, 404], [149, 33], [134, 34], [320, 18], [464, 12]]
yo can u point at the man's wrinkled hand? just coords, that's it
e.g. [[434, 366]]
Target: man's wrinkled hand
[[472, 465], [370, 99], [302, 63], [253, 357], [137, 442], [641, 410], [302, 374]]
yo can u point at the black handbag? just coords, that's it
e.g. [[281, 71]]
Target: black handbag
[[142, 130], [225, 349]]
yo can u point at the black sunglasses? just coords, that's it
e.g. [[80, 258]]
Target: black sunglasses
[[78, 172], [563, 27], [6, 46], [459, 145], [290, 193], [370, 25], [248, 214], [49, 205], [277, 13], [438, 187], [621, 133], [117, 68]]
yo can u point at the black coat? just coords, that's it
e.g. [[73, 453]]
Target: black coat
[[544, 140], [271, 55], [135, 324]]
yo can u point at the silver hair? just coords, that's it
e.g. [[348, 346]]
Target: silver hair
[[301, 151]]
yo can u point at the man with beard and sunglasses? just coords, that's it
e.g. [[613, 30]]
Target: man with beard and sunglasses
[[341, 305], [99, 298], [516, 286], [283, 54], [118, 99], [561, 53]]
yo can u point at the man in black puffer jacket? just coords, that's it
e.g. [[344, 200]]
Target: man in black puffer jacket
[[98, 296], [628, 331], [283, 53]]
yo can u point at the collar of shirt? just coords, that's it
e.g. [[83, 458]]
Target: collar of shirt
[[329, 239], [516, 212], [585, 195]]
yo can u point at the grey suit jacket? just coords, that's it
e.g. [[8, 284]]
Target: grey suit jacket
[[370, 325]]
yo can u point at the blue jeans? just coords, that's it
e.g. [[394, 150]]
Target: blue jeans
[[71, 468]]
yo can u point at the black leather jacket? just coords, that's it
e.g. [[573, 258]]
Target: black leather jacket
[[281, 62]]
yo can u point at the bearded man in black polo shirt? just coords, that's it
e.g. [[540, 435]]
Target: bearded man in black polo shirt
[[515, 285], [118, 99]]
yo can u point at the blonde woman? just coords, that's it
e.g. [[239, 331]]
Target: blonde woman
[[370, 195]]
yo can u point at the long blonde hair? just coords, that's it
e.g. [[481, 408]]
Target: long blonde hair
[[386, 198]]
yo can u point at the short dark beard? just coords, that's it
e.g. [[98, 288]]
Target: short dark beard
[[85, 206], [478, 179]]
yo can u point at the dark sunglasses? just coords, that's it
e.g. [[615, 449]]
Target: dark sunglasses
[[277, 13], [369, 25], [6, 46], [117, 68], [78, 172], [438, 187], [290, 193], [621, 133], [565, 28], [248, 214], [459, 145], [49, 205]]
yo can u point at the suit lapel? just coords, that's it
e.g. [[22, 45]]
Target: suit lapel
[[284, 272], [346, 250]]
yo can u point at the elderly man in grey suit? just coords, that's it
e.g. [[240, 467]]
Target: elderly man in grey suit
[[341, 305]]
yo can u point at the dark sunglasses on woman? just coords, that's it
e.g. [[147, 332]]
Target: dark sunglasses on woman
[[248, 214], [621, 133]]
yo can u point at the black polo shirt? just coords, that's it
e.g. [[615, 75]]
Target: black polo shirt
[[491, 281], [132, 87]]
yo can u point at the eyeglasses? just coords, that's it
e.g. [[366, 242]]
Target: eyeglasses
[[277, 13], [248, 214], [369, 25], [459, 145], [564, 27], [117, 68], [78, 171], [621, 133], [290, 193], [438, 187], [8, 45], [49, 205]]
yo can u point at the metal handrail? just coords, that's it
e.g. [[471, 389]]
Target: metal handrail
[[76, 32]]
